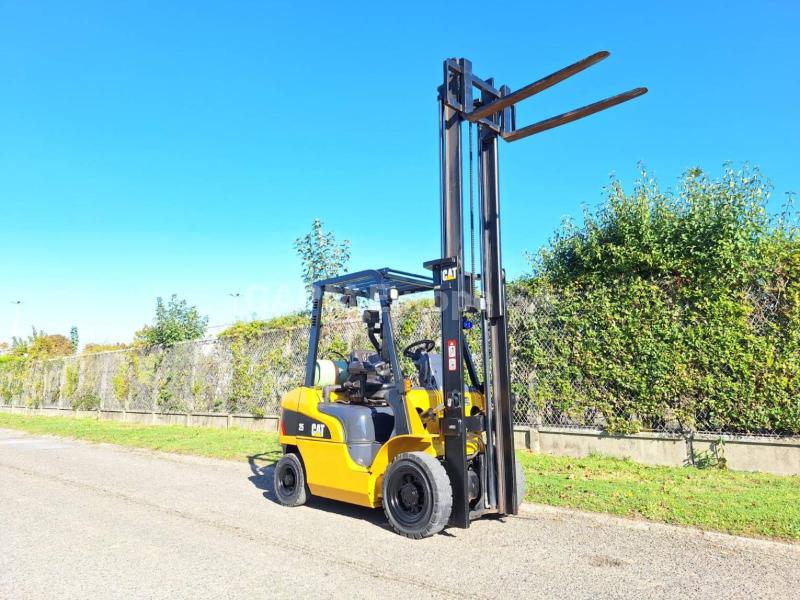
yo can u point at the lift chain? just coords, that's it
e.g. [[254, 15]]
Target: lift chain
[[471, 218]]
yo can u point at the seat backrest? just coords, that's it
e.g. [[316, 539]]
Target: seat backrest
[[430, 371], [366, 428], [361, 423]]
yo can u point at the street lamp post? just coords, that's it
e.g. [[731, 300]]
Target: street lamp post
[[235, 296], [14, 327]]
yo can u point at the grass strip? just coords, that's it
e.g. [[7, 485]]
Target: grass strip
[[736, 502], [229, 444]]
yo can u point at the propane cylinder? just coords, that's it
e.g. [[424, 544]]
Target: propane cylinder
[[330, 372]]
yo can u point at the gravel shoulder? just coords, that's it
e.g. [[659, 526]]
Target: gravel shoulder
[[79, 520]]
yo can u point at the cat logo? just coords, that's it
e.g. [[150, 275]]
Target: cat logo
[[450, 274], [317, 430]]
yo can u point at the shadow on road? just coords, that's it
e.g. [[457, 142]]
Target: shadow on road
[[262, 468]]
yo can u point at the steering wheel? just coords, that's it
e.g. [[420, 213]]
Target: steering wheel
[[411, 351]]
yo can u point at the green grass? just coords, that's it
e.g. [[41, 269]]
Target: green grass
[[753, 504], [230, 444]]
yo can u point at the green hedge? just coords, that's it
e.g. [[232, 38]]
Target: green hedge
[[662, 307]]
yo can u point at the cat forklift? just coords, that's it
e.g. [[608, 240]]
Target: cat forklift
[[435, 446]]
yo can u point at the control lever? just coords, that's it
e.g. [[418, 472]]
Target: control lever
[[430, 414]]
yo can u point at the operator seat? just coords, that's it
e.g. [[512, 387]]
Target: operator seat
[[366, 423], [429, 369]]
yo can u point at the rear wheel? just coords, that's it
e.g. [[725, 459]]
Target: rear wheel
[[417, 496], [290, 481]]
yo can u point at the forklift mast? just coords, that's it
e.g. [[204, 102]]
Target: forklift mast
[[465, 97]]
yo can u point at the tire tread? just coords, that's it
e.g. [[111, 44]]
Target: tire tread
[[443, 494], [302, 493]]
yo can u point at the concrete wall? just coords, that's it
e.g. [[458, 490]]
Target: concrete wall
[[779, 456], [649, 448], [214, 420]]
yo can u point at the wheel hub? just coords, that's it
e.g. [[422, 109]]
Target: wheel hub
[[288, 479], [409, 494]]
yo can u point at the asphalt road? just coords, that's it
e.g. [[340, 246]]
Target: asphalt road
[[98, 521]]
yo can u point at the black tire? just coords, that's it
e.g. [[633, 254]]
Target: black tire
[[290, 481], [519, 475], [417, 496]]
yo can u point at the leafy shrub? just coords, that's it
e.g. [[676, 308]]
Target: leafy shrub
[[71, 377], [14, 370], [251, 330], [49, 346], [86, 401], [670, 306], [122, 383], [95, 348]]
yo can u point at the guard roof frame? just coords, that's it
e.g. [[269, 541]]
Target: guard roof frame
[[365, 283]]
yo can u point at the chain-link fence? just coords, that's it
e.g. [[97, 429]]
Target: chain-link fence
[[236, 376], [568, 374], [250, 375]]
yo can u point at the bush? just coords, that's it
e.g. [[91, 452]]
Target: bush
[[14, 371], [71, 378], [87, 401], [96, 348], [251, 330], [49, 346], [670, 306]]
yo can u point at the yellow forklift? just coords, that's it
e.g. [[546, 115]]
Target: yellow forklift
[[435, 446]]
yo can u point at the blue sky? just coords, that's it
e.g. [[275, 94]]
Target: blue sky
[[150, 148]]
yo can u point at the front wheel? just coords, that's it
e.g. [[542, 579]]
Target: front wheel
[[417, 496], [290, 481]]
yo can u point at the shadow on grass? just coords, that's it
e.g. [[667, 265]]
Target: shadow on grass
[[262, 469]]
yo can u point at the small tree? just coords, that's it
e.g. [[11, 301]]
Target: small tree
[[73, 338], [322, 256], [175, 321]]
